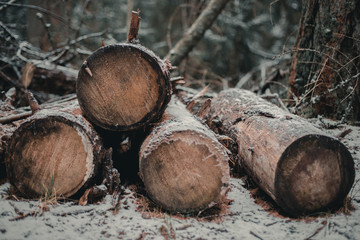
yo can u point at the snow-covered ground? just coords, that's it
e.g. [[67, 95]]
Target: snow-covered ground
[[244, 219]]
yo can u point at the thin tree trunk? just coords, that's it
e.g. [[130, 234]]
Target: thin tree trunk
[[129, 12], [326, 62], [196, 31]]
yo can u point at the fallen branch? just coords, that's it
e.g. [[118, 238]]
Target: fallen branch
[[196, 31], [40, 9], [5, 6], [341, 135], [15, 117]]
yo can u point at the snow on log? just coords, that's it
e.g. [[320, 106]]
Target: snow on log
[[123, 87], [300, 167], [183, 166], [54, 151]]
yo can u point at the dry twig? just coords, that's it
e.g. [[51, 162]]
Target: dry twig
[[40, 9]]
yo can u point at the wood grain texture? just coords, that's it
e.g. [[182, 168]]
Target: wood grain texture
[[128, 87], [183, 166], [56, 150], [296, 164], [11, 118]]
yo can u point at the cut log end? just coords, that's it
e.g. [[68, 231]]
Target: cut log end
[[185, 173], [314, 173], [126, 89], [50, 154]]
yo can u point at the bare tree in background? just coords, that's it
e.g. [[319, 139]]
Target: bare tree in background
[[196, 31], [325, 66]]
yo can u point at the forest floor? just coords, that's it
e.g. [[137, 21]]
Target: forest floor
[[243, 218]]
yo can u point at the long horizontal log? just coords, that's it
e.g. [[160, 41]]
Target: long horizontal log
[[54, 151], [299, 166], [123, 87], [183, 166]]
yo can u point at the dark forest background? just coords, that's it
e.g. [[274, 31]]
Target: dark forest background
[[245, 35], [250, 44]]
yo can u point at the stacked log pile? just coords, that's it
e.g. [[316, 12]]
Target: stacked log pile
[[126, 87], [121, 88]]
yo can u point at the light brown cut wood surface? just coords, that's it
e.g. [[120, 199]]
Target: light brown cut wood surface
[[55, 151], [183, 166], [122, 87], [57, 156]]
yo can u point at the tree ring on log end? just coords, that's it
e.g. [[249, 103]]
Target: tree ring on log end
[[185, 173], [122, 87], [50, 155], [314, 173]]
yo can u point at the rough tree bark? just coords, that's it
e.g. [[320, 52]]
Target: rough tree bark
[[183, 166], [326, 62], [298, 166], [54, 151], [196, 31]]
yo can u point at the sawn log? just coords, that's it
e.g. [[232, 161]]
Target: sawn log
[[55, 151], [296, 164], [183, 166], [123, 87]]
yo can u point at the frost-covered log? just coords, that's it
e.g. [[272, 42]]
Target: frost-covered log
[[296, 164], [183, 166], [55, 151], [123, 87], [10, 119]]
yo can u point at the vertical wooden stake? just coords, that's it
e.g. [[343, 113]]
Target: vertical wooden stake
[[134, 27], [33, 103]]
